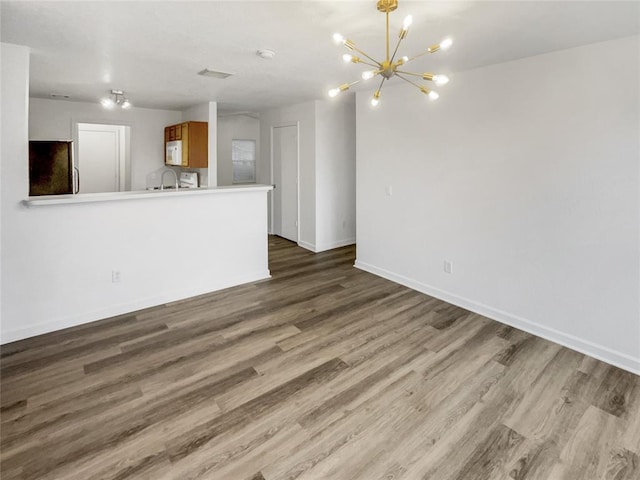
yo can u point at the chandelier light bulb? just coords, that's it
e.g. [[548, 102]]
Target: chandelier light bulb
[[338, 38], [440, 80], [446, 44], [107, 103], [126, 104], [408, 20], [433, 95], [368, 74], [375, 100], [347, 58], [405, 59], [333, 92]]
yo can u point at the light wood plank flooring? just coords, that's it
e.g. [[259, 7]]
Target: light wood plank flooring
[[322, 372]]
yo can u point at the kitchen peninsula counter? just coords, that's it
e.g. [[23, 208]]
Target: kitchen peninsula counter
[[46, 200], [80, 258]]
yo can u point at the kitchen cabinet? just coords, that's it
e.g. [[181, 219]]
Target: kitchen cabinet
[[195, 142]]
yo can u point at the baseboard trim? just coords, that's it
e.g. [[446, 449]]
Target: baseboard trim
[[307, 246], [323, 247], [337, 244], [621, 360], [124, 308]]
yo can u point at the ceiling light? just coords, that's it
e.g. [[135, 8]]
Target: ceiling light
[[389, 67], [116, 98]]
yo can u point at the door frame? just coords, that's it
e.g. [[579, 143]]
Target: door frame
[[272, 209], [128, 173]]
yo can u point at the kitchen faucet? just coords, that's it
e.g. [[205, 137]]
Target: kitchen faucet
[[168, 170]]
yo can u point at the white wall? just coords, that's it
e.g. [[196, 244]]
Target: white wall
[[196, 113], [335, 173], [57, 260], [302, 114], [14, 87], [55, 120], [236, 127], [526, 176], [206, 112]]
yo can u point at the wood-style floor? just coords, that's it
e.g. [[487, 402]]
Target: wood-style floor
[[322, 372]]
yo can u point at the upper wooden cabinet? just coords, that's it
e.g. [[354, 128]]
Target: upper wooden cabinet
[[195, 142]]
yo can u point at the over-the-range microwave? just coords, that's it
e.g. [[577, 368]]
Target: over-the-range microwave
[[174, 153]]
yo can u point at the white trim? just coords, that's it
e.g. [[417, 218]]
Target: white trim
[[336, 244], [326, 246], [621, 360], [46, 200], [273, 127], [124, 308], [307, 246], [271, 219], [298, 179], [119, 132], [77, 120]]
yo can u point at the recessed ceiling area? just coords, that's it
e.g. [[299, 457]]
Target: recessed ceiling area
[[154, 50]]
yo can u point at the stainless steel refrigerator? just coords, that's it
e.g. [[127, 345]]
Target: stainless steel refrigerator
[[51, 168]]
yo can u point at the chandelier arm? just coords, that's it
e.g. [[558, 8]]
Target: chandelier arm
[[409, 73], [387, 58], [417, 56], [353, 47], [377, 65], [409, 81], [396, 50]]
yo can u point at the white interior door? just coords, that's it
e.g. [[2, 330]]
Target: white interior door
[[101, 158], [285, 173]]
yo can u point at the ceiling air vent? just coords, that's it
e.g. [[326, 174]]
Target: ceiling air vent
[[212, 73]]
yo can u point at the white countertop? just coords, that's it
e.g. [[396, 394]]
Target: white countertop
[[138, 194]]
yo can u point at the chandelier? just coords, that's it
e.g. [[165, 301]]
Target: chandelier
[[390, 66], [116, 98]]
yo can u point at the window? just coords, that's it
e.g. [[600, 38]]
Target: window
[[243, 157]]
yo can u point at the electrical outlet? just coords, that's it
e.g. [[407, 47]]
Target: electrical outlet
[[448, 266], [115, 276]]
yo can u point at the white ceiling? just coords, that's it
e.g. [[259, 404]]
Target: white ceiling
[[153, 50]]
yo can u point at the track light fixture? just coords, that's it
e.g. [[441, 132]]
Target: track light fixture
[[116, 98]]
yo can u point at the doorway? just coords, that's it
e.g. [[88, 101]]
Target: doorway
[[284, 163], [103, 158]]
